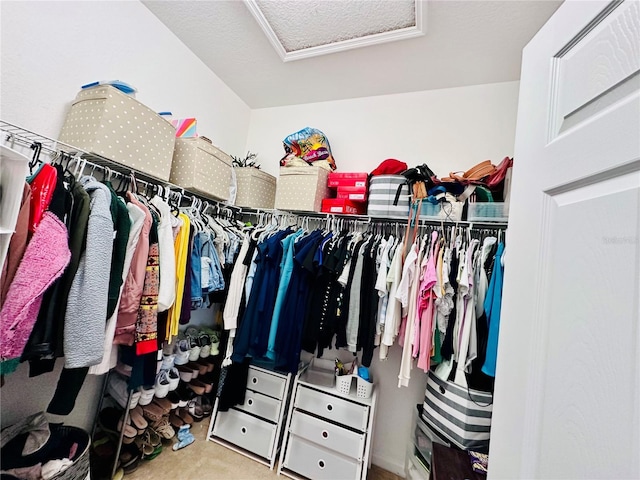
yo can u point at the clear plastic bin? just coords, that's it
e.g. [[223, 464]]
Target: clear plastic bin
[[487, 212]]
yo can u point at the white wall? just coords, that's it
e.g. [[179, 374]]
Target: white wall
[[450, 129], [49, 50]]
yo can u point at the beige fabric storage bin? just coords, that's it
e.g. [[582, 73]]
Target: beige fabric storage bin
[[199, 166], [107, 122], [302, 188], [256, 189]]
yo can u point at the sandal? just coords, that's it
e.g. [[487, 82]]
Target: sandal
[[184, 416], [152, 411], [175, 420], [197, 386], [137, 419], [163, 403]]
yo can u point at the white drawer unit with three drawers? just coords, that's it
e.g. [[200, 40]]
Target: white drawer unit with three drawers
[[255, 428], [328, 434]]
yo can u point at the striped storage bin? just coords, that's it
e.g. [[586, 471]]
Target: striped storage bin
[[458, 414], [382, 193]]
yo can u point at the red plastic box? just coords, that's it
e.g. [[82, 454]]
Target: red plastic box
[[357, 194], [347, 179], [343, 206]]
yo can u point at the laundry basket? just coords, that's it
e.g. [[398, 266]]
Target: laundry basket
[[63, 438], [343, 383]]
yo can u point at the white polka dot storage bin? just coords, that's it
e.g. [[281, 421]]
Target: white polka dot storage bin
[[302, 188], [107, 122], [256, 189], [200, 166]]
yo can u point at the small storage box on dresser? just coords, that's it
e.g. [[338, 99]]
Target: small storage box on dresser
[[200, 166], [256, 189], [105, 121], [302, 188]]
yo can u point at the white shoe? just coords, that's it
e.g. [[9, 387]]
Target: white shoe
[[194, 349], [167, 362], [162, 384], [181, 351], [146, 395], [174, 378]]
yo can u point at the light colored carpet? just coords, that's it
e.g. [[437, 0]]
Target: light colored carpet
[[205, 460]]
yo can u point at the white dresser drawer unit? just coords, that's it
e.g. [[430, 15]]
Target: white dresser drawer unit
[[261, 406], [255, 428], [263, 382], [328, 435], [317, 462], [246, 431], [332, 408]]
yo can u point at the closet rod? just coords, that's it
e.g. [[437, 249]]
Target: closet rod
[[371, 219]]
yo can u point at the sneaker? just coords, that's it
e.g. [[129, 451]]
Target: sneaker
[[194, 348], [181, 351], [174, 378], [162, 384], [146, 394], [215, 343], [167, 362], [205, 345]]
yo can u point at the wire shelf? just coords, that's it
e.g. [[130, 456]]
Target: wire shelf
[[14, 135]]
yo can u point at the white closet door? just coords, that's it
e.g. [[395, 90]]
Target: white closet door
[[567, 398]]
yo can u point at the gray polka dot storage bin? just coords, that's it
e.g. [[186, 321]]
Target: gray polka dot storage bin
[[200, 166], [107, 122], [256, 189], [302, 188]]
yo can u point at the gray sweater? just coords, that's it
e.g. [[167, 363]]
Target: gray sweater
[[84, 323]]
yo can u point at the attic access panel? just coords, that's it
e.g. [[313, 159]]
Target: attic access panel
[[300, 29]]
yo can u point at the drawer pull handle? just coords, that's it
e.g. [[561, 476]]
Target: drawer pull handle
[[329, 407], [254, 380], [250, 402], [244, 430], [325, 434], [321, 463]]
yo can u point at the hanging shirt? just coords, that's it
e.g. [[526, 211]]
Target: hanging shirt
[[181, 247], [381, 284], [236, 285], [467, 339], [393, 315], [426, 307], [408, 335], [167, 255], [134, 283], [492, 307], [286, 268]]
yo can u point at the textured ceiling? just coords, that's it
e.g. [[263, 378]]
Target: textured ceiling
[[302, 24], [466, 43]]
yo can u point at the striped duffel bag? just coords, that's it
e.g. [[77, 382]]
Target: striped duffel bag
[[383, 192]]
